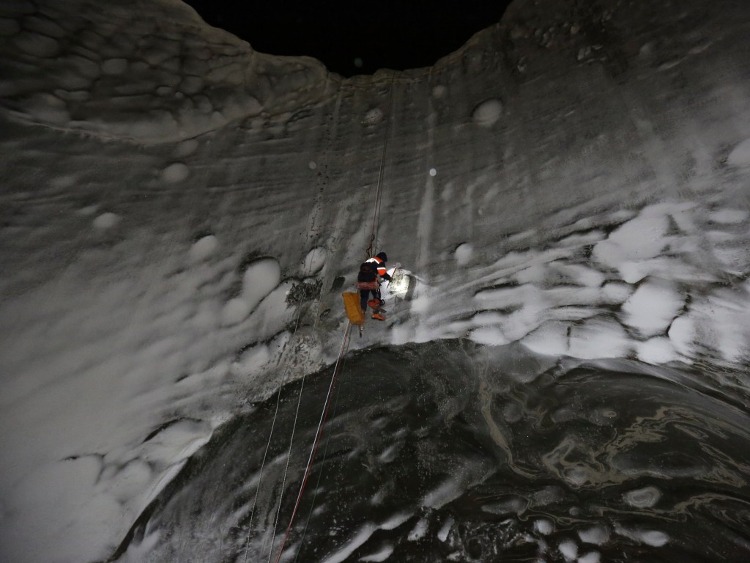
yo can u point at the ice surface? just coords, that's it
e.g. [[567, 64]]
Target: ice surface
[[419, 530], [382, 555], [544, 527], [488, 112], [587, 204], [204, 248], [568, 549], [597, 535], [653, 306], [590, 557], [740, 155], [643, 498]]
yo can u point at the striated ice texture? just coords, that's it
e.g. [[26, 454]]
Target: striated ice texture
[[572, 181]]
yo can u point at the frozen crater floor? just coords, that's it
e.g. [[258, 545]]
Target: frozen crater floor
[[451, 451]]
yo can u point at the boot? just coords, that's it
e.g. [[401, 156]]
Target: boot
[[378, 316]]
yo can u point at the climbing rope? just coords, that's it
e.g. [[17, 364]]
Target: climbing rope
[[381, 173], [265, 454], [316, 440], [342, 352]]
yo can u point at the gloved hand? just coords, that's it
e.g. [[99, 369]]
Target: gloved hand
[[386, 277]]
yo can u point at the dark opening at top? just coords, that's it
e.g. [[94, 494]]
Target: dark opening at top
[[352, 36]]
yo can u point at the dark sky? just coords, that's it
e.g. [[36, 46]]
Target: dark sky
[[352, 36]]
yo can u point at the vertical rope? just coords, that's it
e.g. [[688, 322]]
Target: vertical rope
[[342, 352], [316, 442], [381, 173]]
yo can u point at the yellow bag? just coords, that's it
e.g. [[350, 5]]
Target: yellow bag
[[353, 310]]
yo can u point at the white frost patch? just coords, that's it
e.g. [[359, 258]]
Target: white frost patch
[[642, 498], [489, 336], [740, 155], [441, 496], [616, 292], [314, 261], [419, 530], [544, 526], [252, 360], [638, 239], [389, 454], [445, 529], [597, 535], [656, 351], [362, 535], [106, 221], [728, 216], [381, 555], [599, 338], [175, 172], [259, 280], [487, 113], [581, 275], [722, 322], [590, 557], [235, 310], [654, 538], [463, 253], [682, 335], [395, 521], [568, 549], [203, 248], [373, 116], [550, 339], [653, 306]]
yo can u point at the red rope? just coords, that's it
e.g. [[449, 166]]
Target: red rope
[[316, 443]]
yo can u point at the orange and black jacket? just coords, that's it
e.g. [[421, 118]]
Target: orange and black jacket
[[379, 266]]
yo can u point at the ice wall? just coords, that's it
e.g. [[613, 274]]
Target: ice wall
[[574, 178]]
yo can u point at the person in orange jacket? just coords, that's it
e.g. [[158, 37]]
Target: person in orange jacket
[[368, 281]]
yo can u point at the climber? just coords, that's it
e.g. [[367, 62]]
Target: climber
[[368, 281]]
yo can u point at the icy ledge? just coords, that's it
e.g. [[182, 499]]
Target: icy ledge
[[111, 72], [667, 283]]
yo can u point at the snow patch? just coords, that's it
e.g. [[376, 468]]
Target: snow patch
[[203, 248], [381, 555], [728, 216], [314, 261], [590, 557], [259, 279], [418, 531], [544, 526], [487, 113], [656, 351], [174, 173], [550, 339], [373, 116], [463, 253], [642, 498], [599, 338], [653, 306], [597, 535], [568, 549], [106, 221], [740, 155]]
